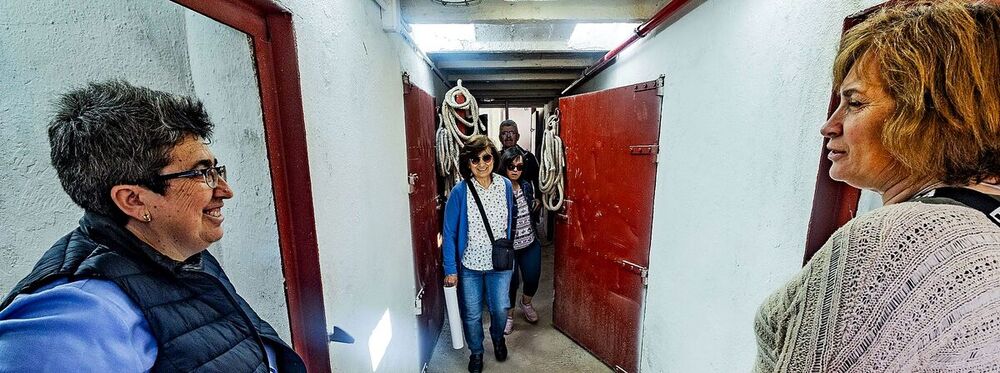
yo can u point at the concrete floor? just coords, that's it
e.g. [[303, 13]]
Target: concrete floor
[[531, 347]]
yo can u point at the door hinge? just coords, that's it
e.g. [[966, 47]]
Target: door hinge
[[660, 82], [418, 302], [407, 85], [412, 180], [653, 150], [643, 272], [643, 149], [653, 84]]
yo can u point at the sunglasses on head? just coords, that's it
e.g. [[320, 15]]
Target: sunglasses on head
[[486, 158], [515, 167]]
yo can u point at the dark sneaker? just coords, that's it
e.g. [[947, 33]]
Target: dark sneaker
[[500, 349], [476, 363]]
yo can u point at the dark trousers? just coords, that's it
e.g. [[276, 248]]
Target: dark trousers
[[527, 264]]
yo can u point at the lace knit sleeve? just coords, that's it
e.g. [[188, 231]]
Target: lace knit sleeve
[[907, 287]]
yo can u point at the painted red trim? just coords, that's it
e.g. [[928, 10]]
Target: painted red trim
[[270, 26]]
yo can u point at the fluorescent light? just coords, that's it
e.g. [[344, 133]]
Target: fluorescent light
[[600, 36], [438, 37]]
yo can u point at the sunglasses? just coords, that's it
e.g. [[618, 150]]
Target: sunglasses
[[486, 158], [515, 167]]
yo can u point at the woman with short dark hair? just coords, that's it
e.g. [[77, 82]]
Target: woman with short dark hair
[[467, 246], [133, 289], [915, 284]]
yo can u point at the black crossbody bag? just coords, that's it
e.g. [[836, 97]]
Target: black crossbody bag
[[971, 198], [503, 249]]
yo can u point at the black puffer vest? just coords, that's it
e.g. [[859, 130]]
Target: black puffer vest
[[198, 320]]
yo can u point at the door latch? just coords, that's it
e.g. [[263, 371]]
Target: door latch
[[412, 180], [418, 302]]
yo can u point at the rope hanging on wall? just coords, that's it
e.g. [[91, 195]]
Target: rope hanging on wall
[[551, 176], [450, 138]]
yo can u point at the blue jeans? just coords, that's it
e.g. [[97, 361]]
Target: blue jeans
[[471, 286], [527, 264]]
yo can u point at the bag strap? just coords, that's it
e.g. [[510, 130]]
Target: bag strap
[[971, 198], [482, 211]]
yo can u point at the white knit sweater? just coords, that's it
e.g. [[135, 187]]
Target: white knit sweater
[[907, 287]]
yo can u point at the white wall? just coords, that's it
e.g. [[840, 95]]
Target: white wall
[[352, 99], [46, 48], [49, 47], [411, 61], [747, 88]]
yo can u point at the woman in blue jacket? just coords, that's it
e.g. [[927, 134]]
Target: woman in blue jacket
[[467, 248]]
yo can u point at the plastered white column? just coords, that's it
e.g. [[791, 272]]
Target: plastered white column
[[747, 88]]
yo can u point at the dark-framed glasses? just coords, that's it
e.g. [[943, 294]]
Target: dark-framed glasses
[[486, 158], [211, 175], [515, 167]]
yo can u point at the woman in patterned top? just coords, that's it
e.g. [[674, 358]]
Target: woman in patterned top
[[527, 249], [913, 285], [467, 243]]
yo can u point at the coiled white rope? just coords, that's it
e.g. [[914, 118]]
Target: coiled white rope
[[450, 138], [451, 118], [447, 156], [551, 173]]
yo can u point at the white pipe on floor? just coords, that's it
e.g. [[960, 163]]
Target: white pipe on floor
[[454, 317]]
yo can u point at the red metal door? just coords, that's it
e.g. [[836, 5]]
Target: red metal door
[[603, 235], [425, 219]]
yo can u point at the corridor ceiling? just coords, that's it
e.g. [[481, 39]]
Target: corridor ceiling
[[522, 54]]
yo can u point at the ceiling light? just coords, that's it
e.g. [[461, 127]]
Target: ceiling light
[[600, 36], [457, 2], [439, 37]]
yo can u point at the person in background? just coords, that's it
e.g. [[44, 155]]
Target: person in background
[[527, 248], [508, 138], [132, 289], [467, 248], [913, 285]]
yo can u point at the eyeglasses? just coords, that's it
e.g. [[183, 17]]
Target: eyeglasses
[[211, 175], [486, 158], [515, 167]]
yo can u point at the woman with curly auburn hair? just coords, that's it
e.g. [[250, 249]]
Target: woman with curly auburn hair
[[915, 284]]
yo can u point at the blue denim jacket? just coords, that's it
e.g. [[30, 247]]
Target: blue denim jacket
[[456, 224]]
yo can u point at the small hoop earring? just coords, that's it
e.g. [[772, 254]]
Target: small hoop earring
[[146, 217]]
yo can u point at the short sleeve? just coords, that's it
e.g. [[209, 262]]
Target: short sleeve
[[82, 326]]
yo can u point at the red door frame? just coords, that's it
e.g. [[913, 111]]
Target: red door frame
[[269, 25]]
